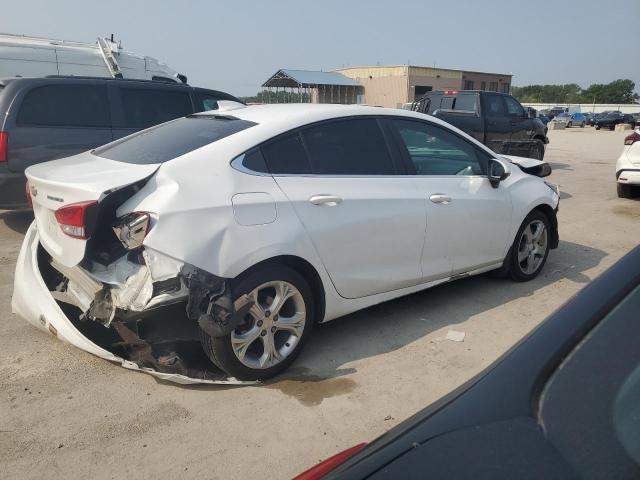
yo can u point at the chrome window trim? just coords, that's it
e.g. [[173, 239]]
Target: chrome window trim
[[237, 164]]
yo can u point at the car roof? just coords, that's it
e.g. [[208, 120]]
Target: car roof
[[276, 119]]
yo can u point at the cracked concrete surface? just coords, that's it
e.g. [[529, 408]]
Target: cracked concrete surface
[[67, 414]]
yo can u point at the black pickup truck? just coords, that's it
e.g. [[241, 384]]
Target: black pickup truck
[[495, 119]]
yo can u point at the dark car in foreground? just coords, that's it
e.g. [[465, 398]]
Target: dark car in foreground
[[562, 404], [47, 118], [612, 119]]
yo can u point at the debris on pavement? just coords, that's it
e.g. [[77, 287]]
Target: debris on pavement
[[455, 336]]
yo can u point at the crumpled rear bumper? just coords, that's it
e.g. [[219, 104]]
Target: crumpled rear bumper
[[33, 302]]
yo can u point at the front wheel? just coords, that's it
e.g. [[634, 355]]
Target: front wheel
[[569, 125], [273, 332], [537, 150], [530, 248]]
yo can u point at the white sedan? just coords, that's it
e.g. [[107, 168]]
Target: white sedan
[[241, 229], [628, 166]]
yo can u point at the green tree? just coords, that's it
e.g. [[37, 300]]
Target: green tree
[[618, 91]]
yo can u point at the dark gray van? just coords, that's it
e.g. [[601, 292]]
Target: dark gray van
[[43, 119]]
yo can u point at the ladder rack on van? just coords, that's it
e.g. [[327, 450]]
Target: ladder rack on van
[[106, 50]]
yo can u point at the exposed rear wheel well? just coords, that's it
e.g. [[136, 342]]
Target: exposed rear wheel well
[[302, 267]]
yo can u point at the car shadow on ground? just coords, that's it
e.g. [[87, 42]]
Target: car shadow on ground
[[17, 220], [397, 323]]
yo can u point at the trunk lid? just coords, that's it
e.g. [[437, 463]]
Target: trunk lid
[[81, 178]]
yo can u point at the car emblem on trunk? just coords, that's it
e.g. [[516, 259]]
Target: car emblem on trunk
[[34, 191]]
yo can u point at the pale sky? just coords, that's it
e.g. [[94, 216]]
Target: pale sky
[[236, 45]]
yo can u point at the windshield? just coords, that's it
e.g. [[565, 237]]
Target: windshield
[[172, 139]]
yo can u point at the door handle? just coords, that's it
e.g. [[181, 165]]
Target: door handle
[[440, 198], [328, 200]]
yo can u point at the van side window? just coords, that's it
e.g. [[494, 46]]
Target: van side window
[[145, 107], [208, 101], [66, 106]]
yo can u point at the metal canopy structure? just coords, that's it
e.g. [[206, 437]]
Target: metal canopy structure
[[304, 86]]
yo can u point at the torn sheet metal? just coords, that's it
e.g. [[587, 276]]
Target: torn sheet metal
[[33, 302]]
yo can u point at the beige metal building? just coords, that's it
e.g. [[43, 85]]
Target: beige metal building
[[393, 86], [385, 86]]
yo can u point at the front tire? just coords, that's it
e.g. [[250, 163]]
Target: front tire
[[537, 150], [274, 331], [530, 248]]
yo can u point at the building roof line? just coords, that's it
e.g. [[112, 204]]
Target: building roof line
[[423, 66]]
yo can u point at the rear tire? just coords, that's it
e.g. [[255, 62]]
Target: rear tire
[[597, 127], [624, 191], [273, 332], [530, 248]]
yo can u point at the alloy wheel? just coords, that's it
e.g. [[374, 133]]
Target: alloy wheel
[[272, 328], [532, 247]]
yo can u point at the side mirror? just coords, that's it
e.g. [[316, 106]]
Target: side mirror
[[497, 172], [531, 113]]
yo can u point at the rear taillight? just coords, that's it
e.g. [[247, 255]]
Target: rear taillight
[[132, 228], [321, 469], [75, 219], [27, 191], [4, 146], [631, 139]]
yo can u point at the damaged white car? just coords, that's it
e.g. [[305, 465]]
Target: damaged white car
[[206, 248]]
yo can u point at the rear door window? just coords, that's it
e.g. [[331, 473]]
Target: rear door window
[[145, 107], [286, 156], [348, 147], [66, 106], [170, 140]]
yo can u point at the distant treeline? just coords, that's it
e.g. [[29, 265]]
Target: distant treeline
[[618, 91]]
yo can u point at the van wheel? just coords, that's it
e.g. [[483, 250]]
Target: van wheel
[[597, 127], [582, 125], [530, 248], [272, 333], [569, 125]]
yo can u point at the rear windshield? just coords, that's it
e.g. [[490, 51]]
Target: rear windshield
[[170, 140]]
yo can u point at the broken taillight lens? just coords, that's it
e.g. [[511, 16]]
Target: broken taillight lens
[[73, 219], [132, 228], [326, 466]]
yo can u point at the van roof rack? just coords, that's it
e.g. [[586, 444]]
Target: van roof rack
[[89, 77]]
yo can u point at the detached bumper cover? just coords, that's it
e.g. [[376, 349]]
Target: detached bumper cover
[[33, 302]]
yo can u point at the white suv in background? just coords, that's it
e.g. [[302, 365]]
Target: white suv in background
[[242, 228], [628, 166]]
